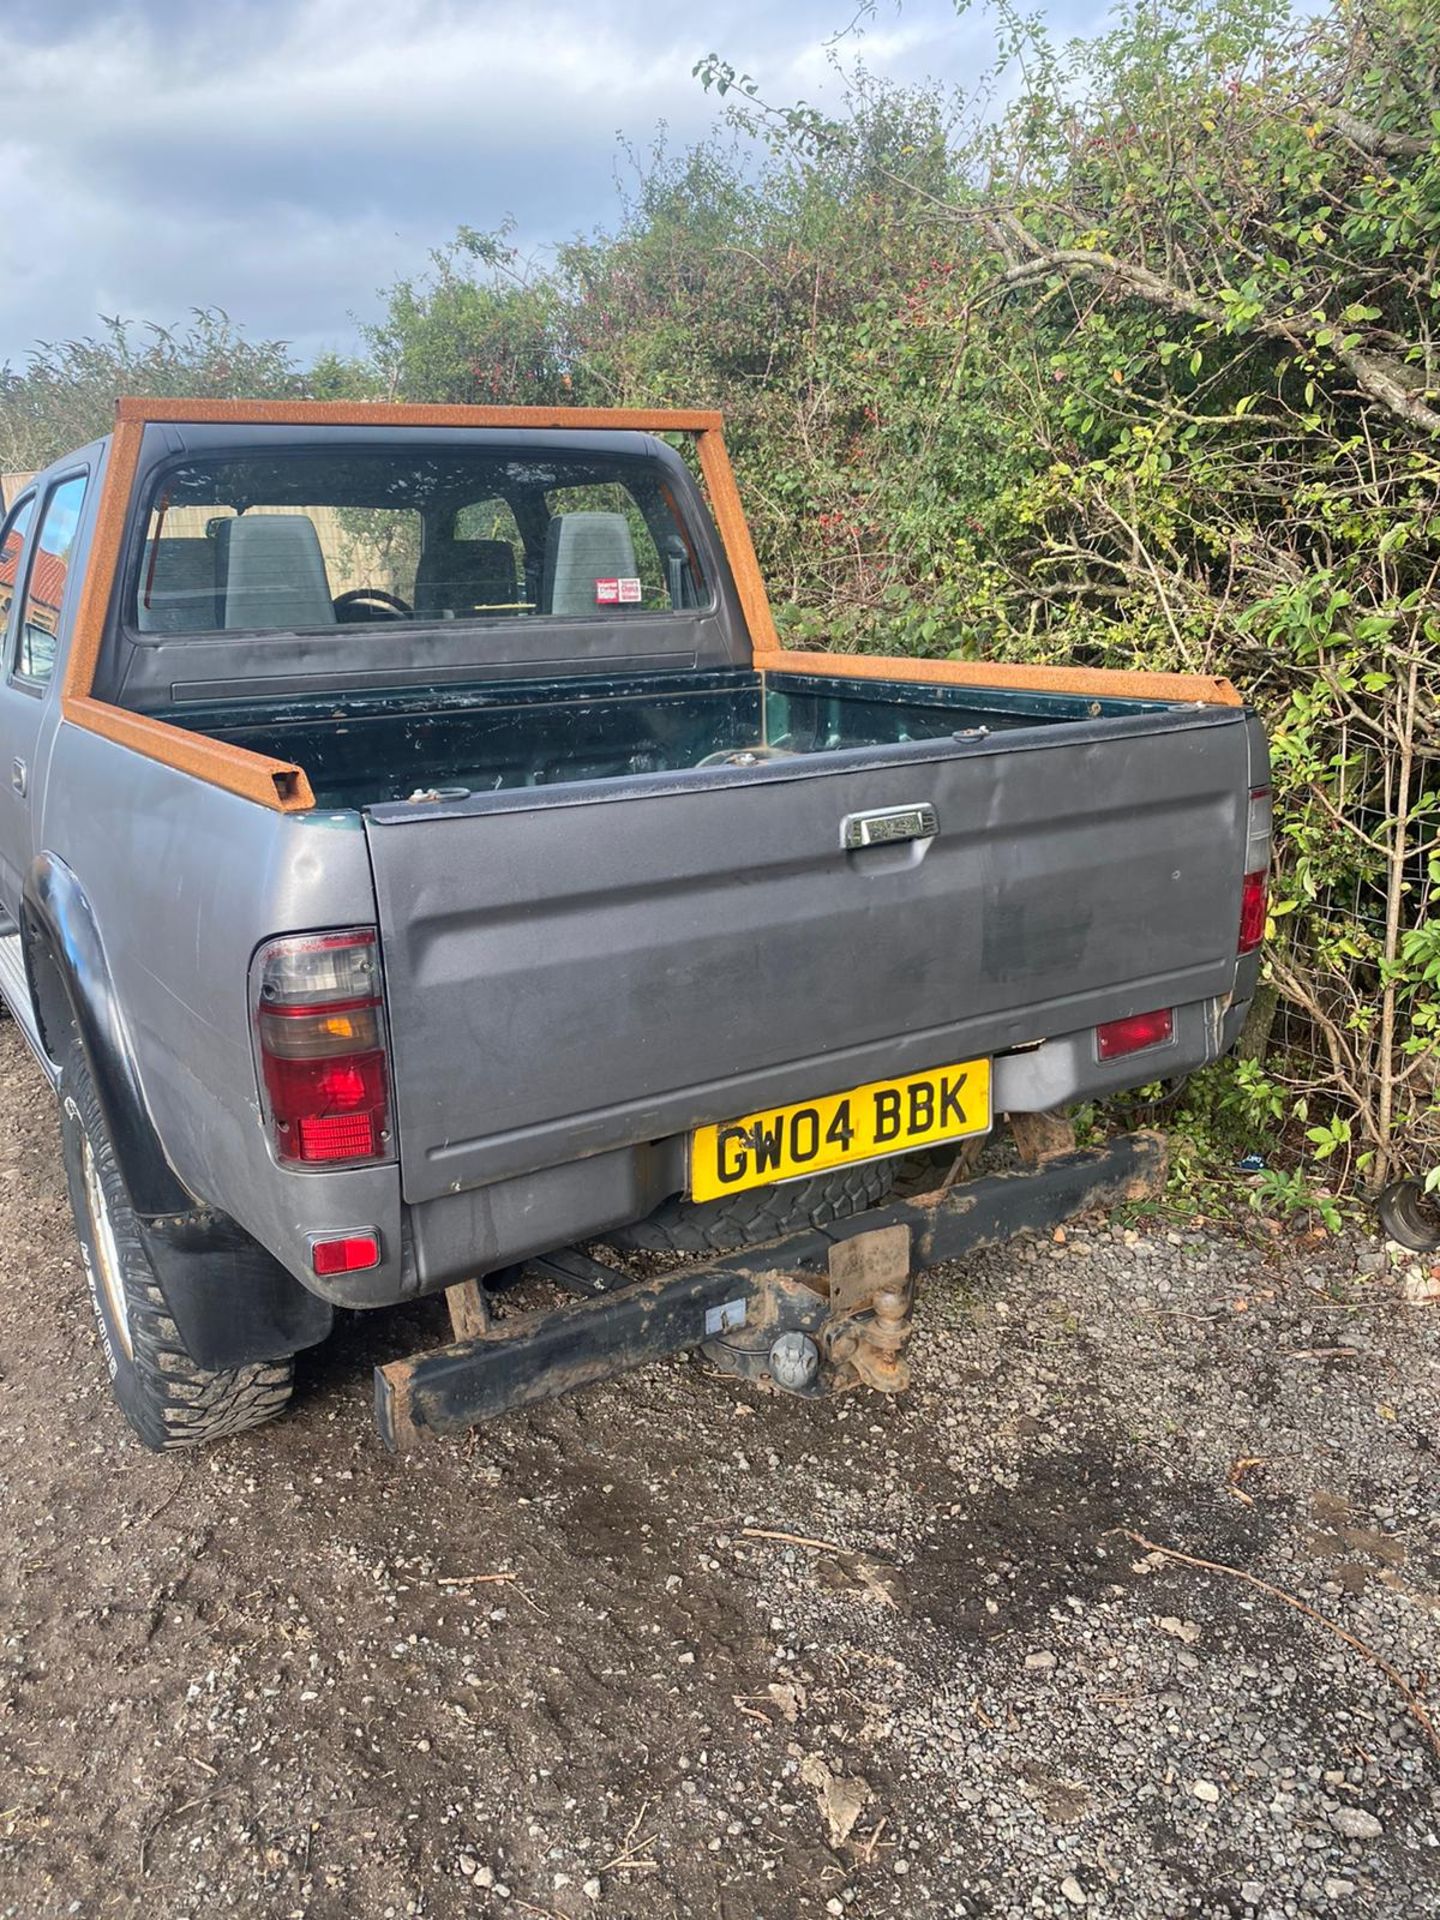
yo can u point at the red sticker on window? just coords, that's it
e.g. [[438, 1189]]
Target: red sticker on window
[[624, 592]]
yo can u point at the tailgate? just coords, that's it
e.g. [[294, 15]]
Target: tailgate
[[590, 966]]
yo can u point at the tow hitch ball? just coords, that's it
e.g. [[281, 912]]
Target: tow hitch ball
[[874, 1349], [813, 1333]]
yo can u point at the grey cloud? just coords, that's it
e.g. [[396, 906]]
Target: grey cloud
[[284, 158]]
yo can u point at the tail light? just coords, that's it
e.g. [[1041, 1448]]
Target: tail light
[[1115, 1038], [320, 1032], [1254, 905]]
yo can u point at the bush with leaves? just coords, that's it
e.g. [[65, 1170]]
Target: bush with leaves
[[1236, 244], [65, 394]]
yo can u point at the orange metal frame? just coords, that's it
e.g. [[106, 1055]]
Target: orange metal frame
[[1103, 683], [285, 787]]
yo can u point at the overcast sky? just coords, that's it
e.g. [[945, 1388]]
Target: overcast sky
[[283, 159]]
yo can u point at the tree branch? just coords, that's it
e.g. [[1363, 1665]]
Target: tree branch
[[1380, 375], [1150, 286], [1369, 139]]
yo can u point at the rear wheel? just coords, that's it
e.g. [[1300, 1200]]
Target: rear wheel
[[169, 1400], [764, 1213]]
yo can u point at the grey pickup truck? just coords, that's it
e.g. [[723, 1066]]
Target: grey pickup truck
[[423, 869]]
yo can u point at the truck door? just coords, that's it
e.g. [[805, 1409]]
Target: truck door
[[35, 551]]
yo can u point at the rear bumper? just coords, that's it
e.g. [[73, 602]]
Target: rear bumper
[[803, 1284], [485, 1228]]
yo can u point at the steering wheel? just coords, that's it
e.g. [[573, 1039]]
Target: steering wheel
[[350, 606]]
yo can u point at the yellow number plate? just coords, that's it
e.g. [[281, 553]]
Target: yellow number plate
[[868, 1123]]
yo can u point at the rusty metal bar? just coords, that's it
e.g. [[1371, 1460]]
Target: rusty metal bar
[[786, 1282], [542, 1355]]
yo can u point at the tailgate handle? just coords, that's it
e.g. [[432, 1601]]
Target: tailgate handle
[[888, 826]]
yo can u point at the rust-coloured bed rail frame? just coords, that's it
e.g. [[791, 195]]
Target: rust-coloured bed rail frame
[[285, 787]]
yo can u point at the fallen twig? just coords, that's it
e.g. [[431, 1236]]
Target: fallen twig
[[490, 1580], [871, 1842], [1402, 1686], [633, 1856], [792, 1540], [156, 1511]]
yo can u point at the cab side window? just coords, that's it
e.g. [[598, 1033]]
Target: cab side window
[[13, 545], [45, 592]]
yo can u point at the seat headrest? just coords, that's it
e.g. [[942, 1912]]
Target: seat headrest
[[177, 590], [274, 572], [461, 576], [580, 549]]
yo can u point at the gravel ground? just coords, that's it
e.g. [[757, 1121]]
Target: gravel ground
[[282, 1677]]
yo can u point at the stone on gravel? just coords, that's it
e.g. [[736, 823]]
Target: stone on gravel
[[1356, 1824]]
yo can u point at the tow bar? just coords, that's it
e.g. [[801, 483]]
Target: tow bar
[[816, 1310]]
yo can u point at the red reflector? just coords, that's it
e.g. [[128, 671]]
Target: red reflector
[[352, 1253], [1141, 1030], [1253, 909]]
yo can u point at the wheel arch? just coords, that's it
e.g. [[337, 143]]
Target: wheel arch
[[232, 1301], [73, 988]]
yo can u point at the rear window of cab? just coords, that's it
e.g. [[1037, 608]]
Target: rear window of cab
[[277, 542]]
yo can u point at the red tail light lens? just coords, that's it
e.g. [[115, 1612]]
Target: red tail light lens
[[327, 1109], [1254, 907], [1119, 1037], [319, 1020]]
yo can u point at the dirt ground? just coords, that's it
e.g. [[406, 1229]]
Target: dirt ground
[[559, 1669]]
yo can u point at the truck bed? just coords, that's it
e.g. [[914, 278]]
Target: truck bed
[[612, 911], [394, 746]]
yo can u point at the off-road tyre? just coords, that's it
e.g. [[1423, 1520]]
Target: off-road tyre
[[764, 1213], [1411, 1215], [168, 1400]]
